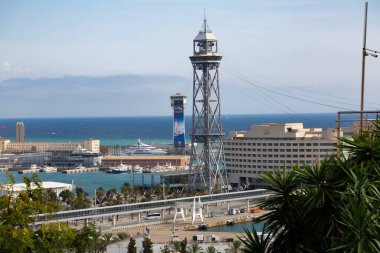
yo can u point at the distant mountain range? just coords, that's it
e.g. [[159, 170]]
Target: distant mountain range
[[90, 96]]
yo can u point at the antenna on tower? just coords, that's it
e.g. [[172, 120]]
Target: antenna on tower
[[204, 19], [205, 27]]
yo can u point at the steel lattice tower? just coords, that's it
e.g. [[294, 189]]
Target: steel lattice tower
[[207, 168]]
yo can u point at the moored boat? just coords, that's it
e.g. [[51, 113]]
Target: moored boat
[[144, 149], [48, 169], [121, 168]]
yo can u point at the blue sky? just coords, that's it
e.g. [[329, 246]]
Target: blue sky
[[281, 45]]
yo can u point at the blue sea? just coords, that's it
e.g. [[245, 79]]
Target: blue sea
[[125, 131]]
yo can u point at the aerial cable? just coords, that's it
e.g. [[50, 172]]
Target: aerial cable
[[270, 97], [308, 90], [241, 77]]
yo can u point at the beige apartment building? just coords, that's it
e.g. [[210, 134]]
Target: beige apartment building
[[248, 154], [19, 147]]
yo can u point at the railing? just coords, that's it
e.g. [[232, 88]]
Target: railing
[[147, 206]]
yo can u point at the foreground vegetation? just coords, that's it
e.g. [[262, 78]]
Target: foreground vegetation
[[17, 214], [331, 207]]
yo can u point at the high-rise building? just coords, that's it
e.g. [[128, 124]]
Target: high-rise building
[[20, 132], [207, 168], [178, 102], [269, 146]]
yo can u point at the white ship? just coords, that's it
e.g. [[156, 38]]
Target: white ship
[[144, 149], [121, 168], [48, 169], [137, 169]]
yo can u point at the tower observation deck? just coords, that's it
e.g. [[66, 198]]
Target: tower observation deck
[[207, 168]]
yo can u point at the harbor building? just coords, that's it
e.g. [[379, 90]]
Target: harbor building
[[76, 158], [20, 132], [248, 154], [146, 161], [56, 187], [22, 147], [3, 144]]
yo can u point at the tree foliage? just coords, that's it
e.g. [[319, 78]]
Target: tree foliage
[[17, 212], [147, 245], [132, 246]]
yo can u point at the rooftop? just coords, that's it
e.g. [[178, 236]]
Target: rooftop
[[45, 185], [145, 157]]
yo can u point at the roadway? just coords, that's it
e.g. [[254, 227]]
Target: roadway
[[137, 208]]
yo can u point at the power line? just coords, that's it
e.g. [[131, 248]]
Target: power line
[[307, 90], [243, 78]]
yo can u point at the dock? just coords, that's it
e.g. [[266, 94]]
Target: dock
[[80, 170], [30, 171]]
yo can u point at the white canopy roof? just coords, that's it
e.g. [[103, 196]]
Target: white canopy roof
[[203, 36]]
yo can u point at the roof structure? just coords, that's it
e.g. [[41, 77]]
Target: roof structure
[[205, 33], [45, 185]]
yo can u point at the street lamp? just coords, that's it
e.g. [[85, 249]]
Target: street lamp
[[365, 52]]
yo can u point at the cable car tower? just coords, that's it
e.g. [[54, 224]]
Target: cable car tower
[[207, 168]]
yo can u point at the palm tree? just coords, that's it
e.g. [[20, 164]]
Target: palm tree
[[364, 147], [100, 195], [175, 246], [253, 242], [234, 247], [67, 196], [286, 221], [211, 249], [194, 248], [107, 237], [122, 236]]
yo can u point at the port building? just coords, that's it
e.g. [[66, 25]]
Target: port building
[[146, 161], [249, 154], [56, 187], [22, 147]]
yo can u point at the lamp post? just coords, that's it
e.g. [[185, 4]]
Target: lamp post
[[365, 52]]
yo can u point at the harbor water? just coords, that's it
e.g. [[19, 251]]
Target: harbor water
[[91, 180], [125, 131], [238, 227]]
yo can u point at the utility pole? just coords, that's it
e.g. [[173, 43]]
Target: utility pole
[[365, 52], [363, 65]]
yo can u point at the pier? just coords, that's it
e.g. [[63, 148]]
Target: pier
[[30, 171], [80, 170]]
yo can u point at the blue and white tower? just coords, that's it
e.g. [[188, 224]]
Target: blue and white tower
[[178, 102]]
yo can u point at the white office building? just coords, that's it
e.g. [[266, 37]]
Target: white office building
[[248, 154]]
